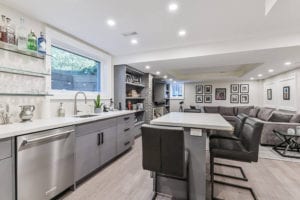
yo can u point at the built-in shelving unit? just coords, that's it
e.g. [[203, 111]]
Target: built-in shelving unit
[[167, 97], [130, 92], [25, 94], [14, 48], [23, 72]]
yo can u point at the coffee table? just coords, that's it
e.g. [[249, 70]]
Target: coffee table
[[289, 143]]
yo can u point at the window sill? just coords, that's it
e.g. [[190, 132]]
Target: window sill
[[67, 95]]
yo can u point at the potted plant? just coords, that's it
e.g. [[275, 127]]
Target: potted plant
[[98, 104]]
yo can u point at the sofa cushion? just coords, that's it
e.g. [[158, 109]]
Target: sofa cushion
[[244, 109], [211, 109], [228, 111], [280, 117], [265, 113], [295, 118], [253, 112]]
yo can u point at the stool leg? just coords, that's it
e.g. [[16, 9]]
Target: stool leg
[[212, 176]]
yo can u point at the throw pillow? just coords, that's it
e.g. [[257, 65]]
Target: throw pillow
[[280, 117], [265, 113], [295, 118], [253, 112]]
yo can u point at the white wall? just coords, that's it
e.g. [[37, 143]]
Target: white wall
[[255, 94], [277, 83]]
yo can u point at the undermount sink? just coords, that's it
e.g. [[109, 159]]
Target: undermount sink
[[85, 116]]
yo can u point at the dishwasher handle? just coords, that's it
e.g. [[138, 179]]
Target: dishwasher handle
[[28, 141]]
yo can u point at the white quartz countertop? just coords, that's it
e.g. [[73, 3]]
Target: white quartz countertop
[[16, 129], [209, 121]]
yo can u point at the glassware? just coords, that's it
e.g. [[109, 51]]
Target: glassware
[[42, 44], [31, 42], [10, 29], [22, 36]]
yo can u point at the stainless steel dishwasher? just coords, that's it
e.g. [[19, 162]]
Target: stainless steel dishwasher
[[45, 163]]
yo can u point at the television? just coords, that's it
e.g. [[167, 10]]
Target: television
[[158, 91]]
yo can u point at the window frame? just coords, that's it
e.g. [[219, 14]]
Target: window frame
[[171, 91]]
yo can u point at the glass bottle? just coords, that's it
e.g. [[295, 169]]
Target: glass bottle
[[3, 29], [10, 29], [22, 36], [31, 42], [42, 43]]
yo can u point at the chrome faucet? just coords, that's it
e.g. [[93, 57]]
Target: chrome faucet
[[75, 102]]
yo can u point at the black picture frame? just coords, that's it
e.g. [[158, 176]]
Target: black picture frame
[[199, 89], [199, 99], [269, 94], [234, 98], [286, 93], [244, 98], [207, 98], [234, 88], [220, 94], [244, 88], [208, 89]]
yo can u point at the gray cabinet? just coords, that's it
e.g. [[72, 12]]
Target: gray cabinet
[[108, 147], [6, 170], [125, 137]]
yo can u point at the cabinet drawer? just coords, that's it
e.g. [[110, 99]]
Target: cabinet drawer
[[125, 141], [94, 126], [126, 119], [5, 148]]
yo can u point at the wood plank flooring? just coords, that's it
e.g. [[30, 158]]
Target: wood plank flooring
[[124, 179]]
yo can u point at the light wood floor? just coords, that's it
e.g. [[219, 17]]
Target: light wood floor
[[124, 179]]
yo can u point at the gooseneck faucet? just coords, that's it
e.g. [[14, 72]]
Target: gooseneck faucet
[[75, 101]]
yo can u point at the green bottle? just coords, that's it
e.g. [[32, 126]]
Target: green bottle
[[31, 42]]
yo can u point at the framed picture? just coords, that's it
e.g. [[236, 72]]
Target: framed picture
[[269, 94], [199, 89], [286, 93], [234, 98], [220, 94], [207, 98], [244, 88], [234, 88], [244, 98], [199, 98], [208, 89]]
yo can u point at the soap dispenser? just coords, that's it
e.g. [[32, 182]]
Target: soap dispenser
[[61, 110]]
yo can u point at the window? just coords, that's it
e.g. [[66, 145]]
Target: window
[[70, 71], [177, 91]]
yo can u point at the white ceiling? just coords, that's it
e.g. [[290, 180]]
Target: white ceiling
[[206, 21]]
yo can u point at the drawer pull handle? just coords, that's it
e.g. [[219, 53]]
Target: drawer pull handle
[[127, 129], [99, 139], [102, 138], [127, 143], [126, 118]]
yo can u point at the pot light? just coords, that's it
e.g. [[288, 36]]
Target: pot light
[[170, 79], [271, 70], [173, 7], [182, 33], [147, 67], [158, 72], [259, 75], [174, 82], [287, 63], [165, 76], [134, 41], [251, 78], [111, 22]]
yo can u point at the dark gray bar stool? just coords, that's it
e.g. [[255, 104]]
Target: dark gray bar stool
[[164, 153], [245, 150]]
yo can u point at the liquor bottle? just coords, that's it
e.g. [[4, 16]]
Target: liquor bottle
[[10, 29], [3, 29], [42, 43], [31, 42], [22, 36]]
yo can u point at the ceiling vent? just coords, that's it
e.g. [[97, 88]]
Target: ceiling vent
[[129, 34]]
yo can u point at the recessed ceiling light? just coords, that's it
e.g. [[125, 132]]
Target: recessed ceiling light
[[158, 72], [173, 7], [259, 75], [271, 70], [251, 78], [174, 82], [165, 76], [111, 22], [182, 33], [134, 41], [288, 63], [170, 79], [147, 67]]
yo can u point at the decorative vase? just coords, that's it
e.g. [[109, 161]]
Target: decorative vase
[[98, 110]]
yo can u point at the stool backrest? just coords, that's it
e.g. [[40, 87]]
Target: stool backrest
[[163, 149], [240, 120], [192, 110]]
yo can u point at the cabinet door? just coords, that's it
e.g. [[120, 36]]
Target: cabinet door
[[87, 154], [6, 181], [108, 147]]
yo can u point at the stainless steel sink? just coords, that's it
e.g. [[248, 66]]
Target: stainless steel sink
[[85, 116]]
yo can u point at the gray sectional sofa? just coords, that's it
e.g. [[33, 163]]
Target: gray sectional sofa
[[271, 119]]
